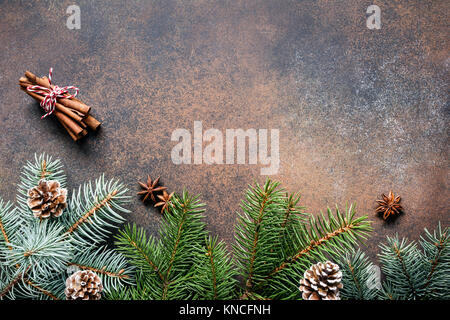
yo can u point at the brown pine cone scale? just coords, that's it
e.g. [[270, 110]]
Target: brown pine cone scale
[[321, 281], [83, 285], [47, 199]]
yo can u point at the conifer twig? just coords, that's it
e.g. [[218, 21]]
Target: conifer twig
[[11, 285], [89, 213], [434, 263], [5, 236], [255, 241]]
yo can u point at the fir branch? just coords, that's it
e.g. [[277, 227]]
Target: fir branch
[[41, 290], [437, 253], [45, 288], [138, 292], [44, 171], [387, 292], [35, 253], [440, 246], [348, 226], [6, 275], [133, 243], [3, 211], [5, 236], [10, 224], [44, 166], [314, 245], [166, 267], [213, 272], [354, 278], [435, 262], [258, 230], [11, 284], [109, 265], [175, 247], [214, 276], [399, 254], [326, 238], [42, 246], [294, 220], [184, 216], [97, 206], [255, 240], [95, 211], [293, 212], [405, 268], [359, 278]]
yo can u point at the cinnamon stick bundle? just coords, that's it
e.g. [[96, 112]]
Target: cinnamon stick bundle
[[72, 113]]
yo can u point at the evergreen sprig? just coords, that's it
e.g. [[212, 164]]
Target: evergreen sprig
[[41, 251], [259, 232], [36, 256], [43, 167], [10, 225], [95, 211], [274, 247], [322, 239], [275, 242], [111, 266], [215, 276], [166, 265], [404, 267], [359, 277], [415, 274], [436, 248]]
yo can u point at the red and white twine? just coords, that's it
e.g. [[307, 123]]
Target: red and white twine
[[51, 94]]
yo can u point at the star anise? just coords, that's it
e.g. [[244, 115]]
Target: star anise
[[165, 201], [150, 188], [389, 205]]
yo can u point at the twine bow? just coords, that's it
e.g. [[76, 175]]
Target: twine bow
[[51, 94]]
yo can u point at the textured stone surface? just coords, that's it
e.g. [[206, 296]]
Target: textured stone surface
[[360, 112]]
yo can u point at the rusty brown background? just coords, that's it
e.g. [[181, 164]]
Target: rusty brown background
[[360, 111]]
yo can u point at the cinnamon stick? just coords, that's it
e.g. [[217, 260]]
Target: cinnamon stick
[[71, 126], [70, 103], [58, 106], [76, 105], [72, 113], [91, 122], [83, 133], [83, 125], [43, 82], [72, 135]]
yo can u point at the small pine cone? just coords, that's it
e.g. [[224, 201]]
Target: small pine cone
[[321, 282], [83, 285], [47, 199]]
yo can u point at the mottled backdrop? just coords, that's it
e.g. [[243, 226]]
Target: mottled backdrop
[[359, 111]]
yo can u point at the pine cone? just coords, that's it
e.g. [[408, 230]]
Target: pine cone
[[47, 199], [83, 285], [321, 282]]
